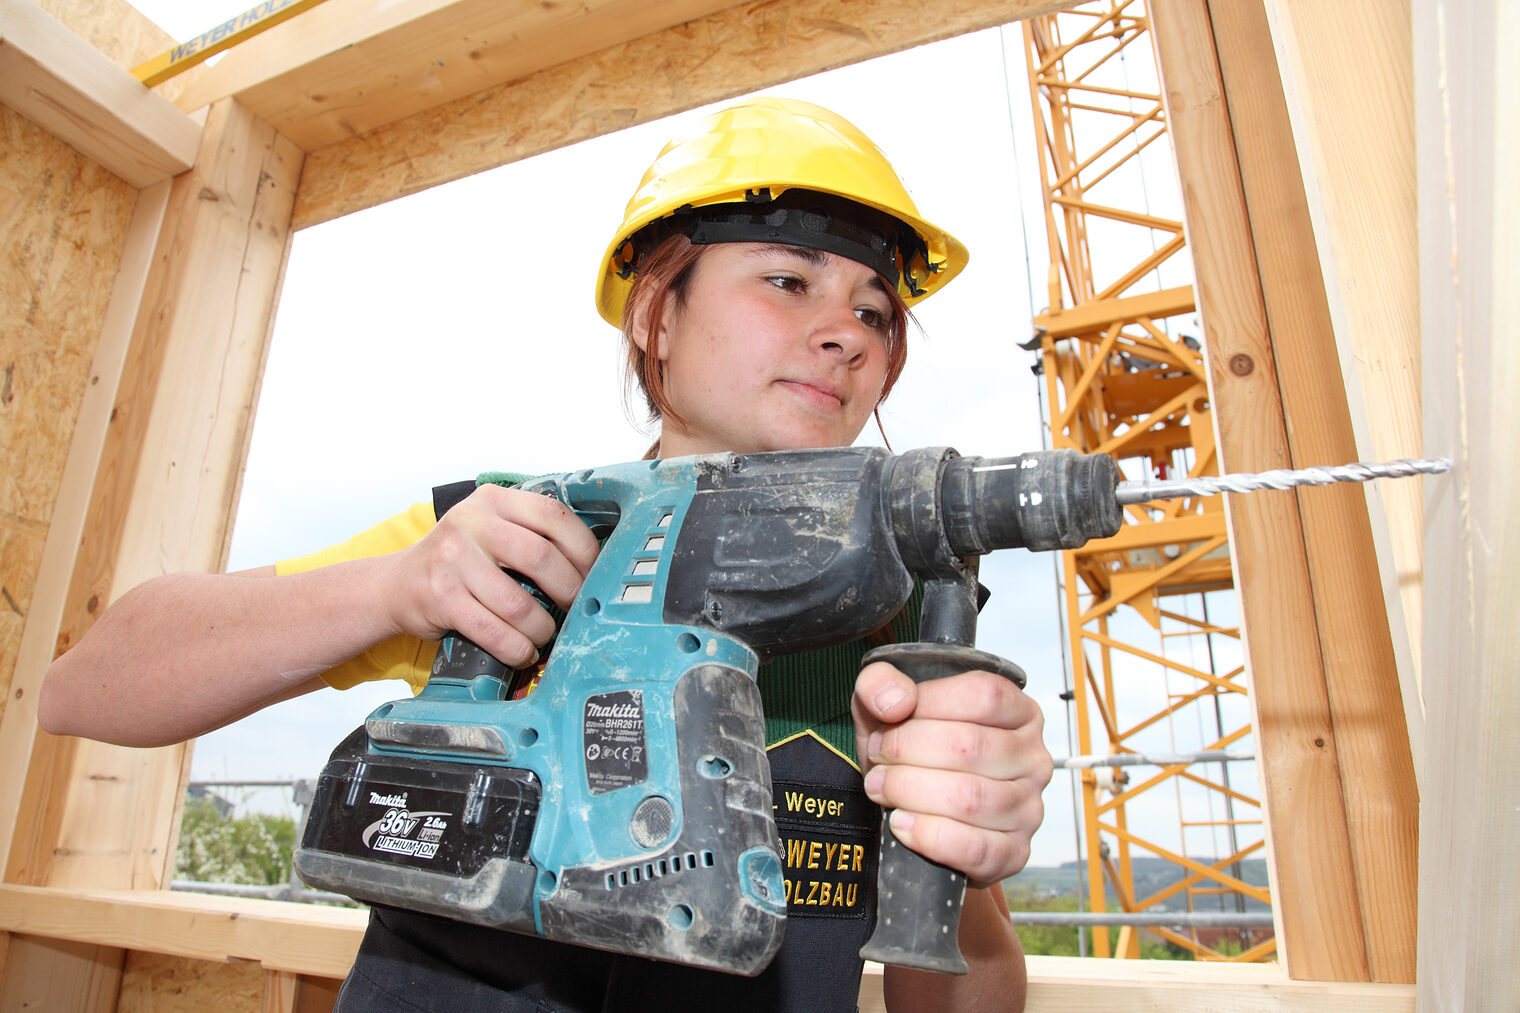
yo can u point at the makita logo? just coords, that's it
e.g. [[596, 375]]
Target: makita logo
[[619, 710], [375, 798]]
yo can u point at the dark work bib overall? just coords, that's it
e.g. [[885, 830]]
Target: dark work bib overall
[[828, 833]]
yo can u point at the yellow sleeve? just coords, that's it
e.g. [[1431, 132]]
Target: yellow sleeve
[[400, 657]]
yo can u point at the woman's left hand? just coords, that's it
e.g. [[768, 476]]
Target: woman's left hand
[[962, 760]]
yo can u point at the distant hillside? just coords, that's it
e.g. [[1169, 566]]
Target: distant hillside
[[1151, 876]]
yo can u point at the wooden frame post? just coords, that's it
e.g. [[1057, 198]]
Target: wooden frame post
[[1469, 205], [161, 497], [1329, 711], [1356, 156]]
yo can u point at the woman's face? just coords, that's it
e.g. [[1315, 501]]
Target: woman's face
[[773, 348]]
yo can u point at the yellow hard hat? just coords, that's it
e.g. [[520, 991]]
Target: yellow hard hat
[[780, 170]]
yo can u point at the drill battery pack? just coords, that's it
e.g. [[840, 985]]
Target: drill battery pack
[[441, 837]]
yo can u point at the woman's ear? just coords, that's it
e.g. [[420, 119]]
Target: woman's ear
[[639, 332], [638, 322]]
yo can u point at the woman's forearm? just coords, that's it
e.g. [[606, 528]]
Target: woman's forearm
[[995, 980], [186, 653]]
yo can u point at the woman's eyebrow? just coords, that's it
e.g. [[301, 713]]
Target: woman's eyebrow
[[815, 257], [807, 253]]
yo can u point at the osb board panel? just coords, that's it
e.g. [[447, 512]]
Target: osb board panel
[[120, 31], [348, 66], [742, 49], [163, 498], [117, 29], [159, 983], [63, 221], [20, 549]]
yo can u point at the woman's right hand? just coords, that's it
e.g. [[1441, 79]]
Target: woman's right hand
[[454, 579]]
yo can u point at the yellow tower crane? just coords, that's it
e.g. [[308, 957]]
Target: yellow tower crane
[[1158, 690]]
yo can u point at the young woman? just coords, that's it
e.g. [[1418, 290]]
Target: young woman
[[761, 279]]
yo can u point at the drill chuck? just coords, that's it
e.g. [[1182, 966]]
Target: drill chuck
[[1054, 499]]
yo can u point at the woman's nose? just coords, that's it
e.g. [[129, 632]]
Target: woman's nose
[[840, 331]]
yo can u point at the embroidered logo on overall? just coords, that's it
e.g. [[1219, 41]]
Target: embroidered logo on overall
[[828, 842]]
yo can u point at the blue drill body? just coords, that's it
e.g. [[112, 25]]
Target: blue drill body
[[625, 802]]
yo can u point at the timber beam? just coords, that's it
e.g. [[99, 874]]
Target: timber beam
[[70, 89], [293, 939], [724, 54], [348, 66]]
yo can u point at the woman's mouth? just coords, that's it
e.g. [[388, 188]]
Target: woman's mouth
[[823, 396]]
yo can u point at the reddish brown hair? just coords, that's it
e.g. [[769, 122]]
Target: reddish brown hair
[[666, 270]]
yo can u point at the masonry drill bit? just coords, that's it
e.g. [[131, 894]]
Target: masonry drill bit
[[1145, 491]]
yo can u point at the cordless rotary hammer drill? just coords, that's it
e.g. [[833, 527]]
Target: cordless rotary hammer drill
[[625, 803]]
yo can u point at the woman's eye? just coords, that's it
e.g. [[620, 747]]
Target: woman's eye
[[871, 317], [787, 282]]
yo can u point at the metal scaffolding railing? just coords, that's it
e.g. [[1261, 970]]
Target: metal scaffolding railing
[[1142, 919], [302, 790], [1153, 759]]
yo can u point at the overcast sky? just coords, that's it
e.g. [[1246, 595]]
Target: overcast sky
[[453, 332]]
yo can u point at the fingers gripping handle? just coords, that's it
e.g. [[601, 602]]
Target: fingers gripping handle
[[464, 668], [918, 901]]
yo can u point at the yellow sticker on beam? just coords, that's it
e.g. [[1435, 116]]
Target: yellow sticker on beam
[[224, 36]]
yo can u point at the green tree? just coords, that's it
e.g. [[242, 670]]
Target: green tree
[[253, 849], [1047, 940], [1061, 940]]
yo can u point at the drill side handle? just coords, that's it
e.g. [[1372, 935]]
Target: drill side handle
[[918, 901]]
